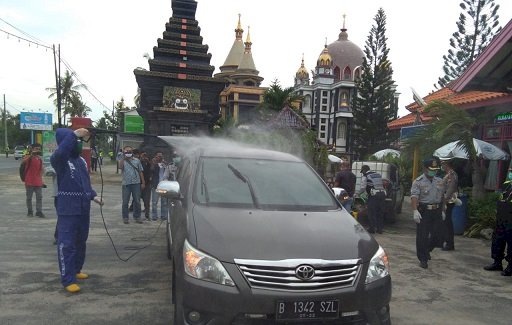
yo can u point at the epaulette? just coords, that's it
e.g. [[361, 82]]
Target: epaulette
[[419, 177]]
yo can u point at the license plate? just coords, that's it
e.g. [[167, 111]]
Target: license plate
[[307, 309]]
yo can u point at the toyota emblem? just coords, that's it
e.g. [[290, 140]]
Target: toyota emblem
[[305, 272]]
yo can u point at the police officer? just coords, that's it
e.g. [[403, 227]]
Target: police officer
[[502, 235], [427, 201], [371, 183], [450, 180]]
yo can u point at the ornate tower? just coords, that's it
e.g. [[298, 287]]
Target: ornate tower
[[178, 95]]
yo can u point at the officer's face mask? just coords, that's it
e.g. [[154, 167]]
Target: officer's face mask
[[509, 176], [431, 173], [128, 154]]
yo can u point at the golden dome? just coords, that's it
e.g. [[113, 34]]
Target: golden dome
[[302, 73], [325, 59]]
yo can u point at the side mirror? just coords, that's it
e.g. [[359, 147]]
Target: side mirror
[[168, 189]]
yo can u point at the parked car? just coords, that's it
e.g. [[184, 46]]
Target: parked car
[[391, 179], [256, 237], [19, 152]]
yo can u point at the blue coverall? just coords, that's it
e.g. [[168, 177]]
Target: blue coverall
[[73, 205]]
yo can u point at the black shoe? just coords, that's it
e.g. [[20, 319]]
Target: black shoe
[[424, 264], [379, 231], [126, 221], [371, 231], [429, 257], [40, 214], [508, 270], [138, 221], [495, 266], [446, 248], [30, 214]]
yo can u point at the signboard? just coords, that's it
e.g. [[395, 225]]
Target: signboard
[[133, 124], [49, 145], [409, 131], [35, 121], [503, 117]]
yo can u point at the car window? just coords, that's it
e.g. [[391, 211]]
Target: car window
[[267, 184]]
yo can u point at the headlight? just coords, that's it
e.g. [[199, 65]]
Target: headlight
[[204, 267], [379, 266]]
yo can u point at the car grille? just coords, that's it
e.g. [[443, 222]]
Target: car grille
[[281, 275]]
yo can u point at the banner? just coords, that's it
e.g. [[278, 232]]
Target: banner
[[49, 145], [35, 121]]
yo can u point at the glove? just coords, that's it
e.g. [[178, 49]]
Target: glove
[[458, 202], [98, 200], [416, 215], [443, 215]]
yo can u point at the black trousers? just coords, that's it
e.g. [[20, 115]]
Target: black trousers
[[447, 227], [502, 235], [376, 211], [426, 238]]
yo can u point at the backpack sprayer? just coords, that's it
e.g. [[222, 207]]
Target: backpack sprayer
[[93, 132]]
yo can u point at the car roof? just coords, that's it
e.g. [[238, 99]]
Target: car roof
[[212, 147]]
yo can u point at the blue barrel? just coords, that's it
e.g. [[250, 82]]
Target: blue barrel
[[460, 215]]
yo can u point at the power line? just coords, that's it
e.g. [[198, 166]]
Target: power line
[[68, 66], [37, 41]]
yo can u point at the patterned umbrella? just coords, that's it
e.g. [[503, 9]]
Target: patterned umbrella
[[483, 149]]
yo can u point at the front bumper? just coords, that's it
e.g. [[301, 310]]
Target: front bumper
[[243, 305]]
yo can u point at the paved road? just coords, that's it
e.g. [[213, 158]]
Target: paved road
[[454, 290]]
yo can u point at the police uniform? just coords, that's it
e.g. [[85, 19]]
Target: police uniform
[[374, 187], [502, 235], [451, 184], [429, 194]]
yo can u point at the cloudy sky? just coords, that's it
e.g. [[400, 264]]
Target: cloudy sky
[[103, 41]]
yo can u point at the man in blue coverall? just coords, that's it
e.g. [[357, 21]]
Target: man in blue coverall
[[74, 198]]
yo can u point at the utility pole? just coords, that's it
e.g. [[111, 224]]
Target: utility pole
[[57, 83], [6, 143]]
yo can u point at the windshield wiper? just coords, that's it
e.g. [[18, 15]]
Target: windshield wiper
[[246, 180], [203, 185]]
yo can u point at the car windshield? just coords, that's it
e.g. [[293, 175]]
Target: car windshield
[[259, 183]]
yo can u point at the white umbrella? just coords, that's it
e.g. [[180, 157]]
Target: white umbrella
[[384, 152], [334, 159], [483, 149]]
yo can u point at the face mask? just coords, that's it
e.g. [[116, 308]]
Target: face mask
[[509, 176], [431, 173], [128, 155]]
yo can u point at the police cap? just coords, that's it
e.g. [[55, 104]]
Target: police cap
[[431, 164]]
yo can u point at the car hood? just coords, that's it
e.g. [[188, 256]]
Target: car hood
[[275, 235]]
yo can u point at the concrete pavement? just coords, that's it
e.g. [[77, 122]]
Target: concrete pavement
[[453, 290]]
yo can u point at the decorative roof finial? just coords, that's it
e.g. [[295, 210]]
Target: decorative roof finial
[[248, 40], [239, 31], [344, 16]]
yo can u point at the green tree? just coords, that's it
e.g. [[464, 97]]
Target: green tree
[[77, 107], [16, 135], [374, 106], [455, 124], [477, 25], [68, 90], [451, 124], [277, 97]]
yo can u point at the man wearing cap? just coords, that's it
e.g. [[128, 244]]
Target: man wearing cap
[[427, 202], [371, 182]]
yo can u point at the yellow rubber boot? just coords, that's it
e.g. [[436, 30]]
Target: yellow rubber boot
[[73, 288], [82, 276]]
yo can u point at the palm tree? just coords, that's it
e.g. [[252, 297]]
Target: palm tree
[[67, 90], [451, 123], [77, 107], [276, 98]]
